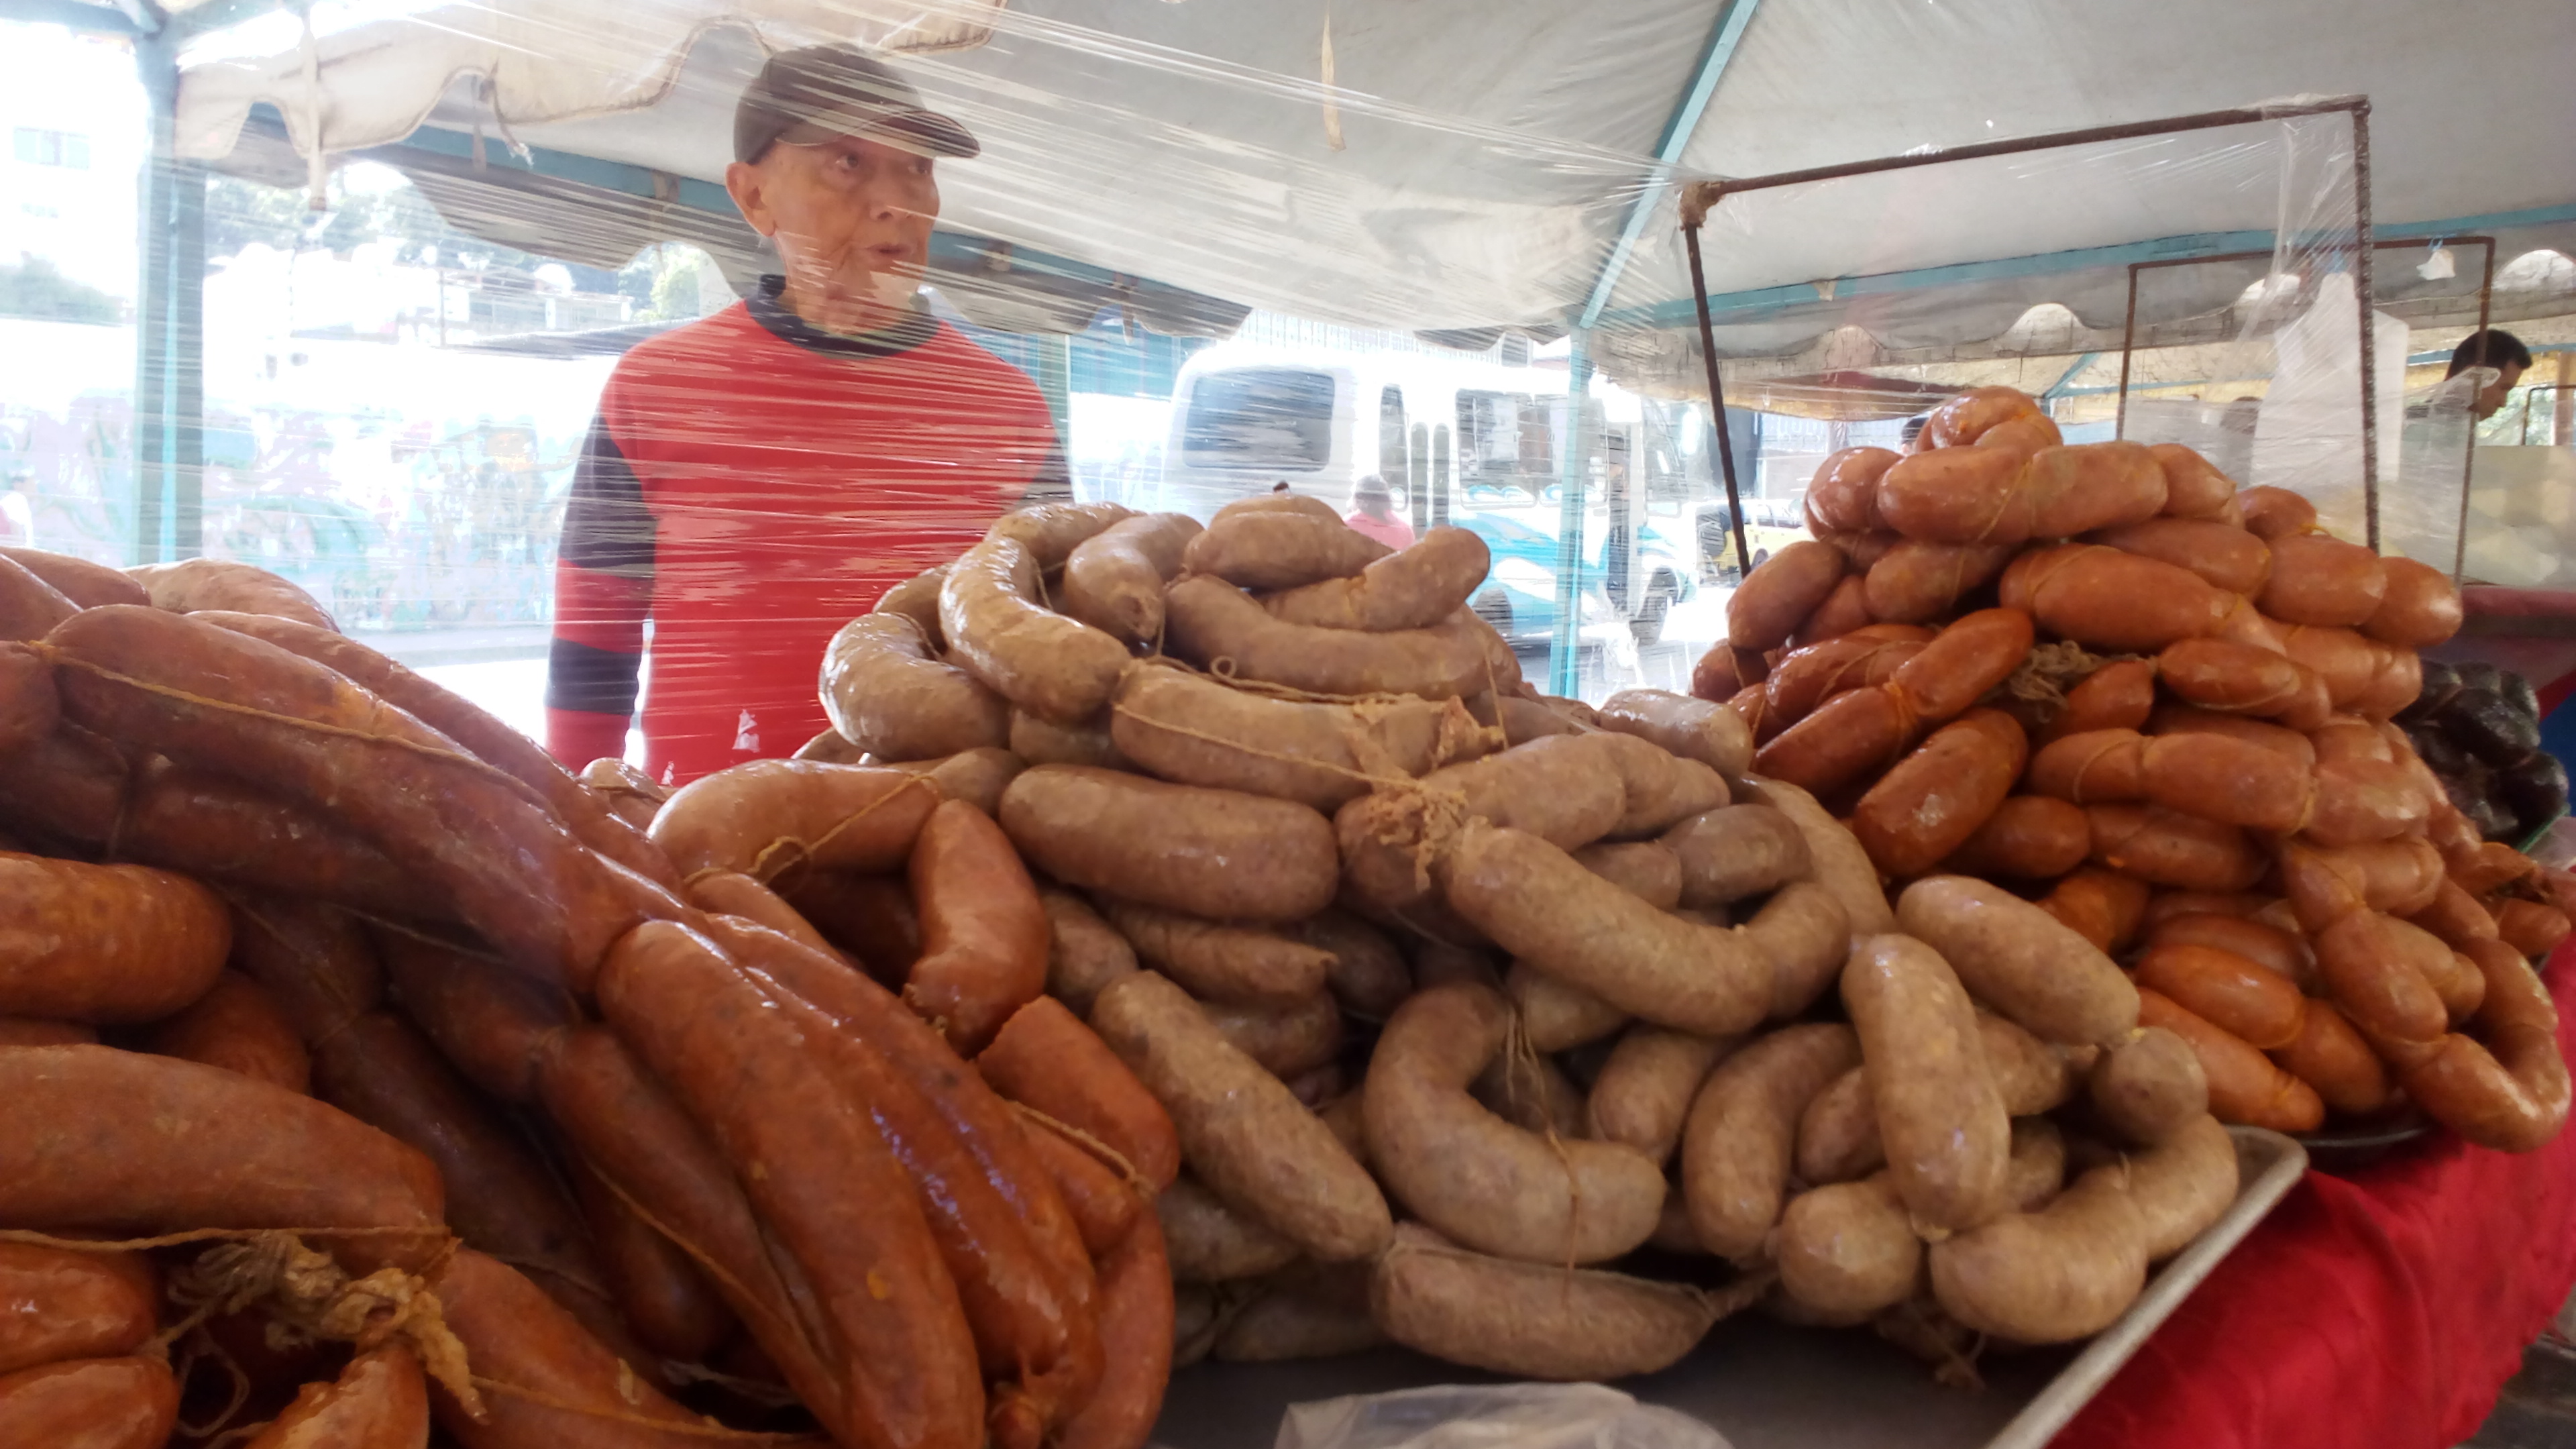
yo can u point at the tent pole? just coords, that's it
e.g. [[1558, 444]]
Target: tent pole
[[1723, 39], [169, 383], [2469, 444], [1717, 400], [2362, 250], [1574, 470]]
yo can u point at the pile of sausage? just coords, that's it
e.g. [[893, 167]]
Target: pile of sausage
[[1488, 1022], [2161, 707], [366, 1070]]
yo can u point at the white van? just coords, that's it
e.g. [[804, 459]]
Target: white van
[[1456, 440]]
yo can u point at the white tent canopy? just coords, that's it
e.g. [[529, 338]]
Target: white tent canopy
[[1441, 164]]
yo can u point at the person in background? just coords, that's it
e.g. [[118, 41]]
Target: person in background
[[1913, 429], [758, 478], [1373, 513], [2499, 352], [17, 509]]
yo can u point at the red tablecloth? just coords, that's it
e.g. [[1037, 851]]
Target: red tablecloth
[[2385, 1308]]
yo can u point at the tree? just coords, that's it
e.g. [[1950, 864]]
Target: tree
[[36, 288]]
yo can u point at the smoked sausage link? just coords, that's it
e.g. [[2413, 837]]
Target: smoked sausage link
[[100, 1140], [107, 944]]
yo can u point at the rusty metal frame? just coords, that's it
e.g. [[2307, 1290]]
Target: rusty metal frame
[[2369, 410], [1700, 198]]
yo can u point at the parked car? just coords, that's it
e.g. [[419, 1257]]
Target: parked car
[[1770, 525]]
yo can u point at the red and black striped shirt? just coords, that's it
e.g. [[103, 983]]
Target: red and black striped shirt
[[751, 484]]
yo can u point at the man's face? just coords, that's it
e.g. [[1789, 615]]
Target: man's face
[[2491, 398], [851, 217]]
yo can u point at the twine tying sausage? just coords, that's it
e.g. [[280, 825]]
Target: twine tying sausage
[[767, 863], [56, 655], [1108, 1156]]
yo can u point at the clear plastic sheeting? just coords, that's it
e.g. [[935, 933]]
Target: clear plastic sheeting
[[1486, 1416], [453, 321]]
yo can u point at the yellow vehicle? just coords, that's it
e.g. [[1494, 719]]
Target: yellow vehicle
[[1770, 525]]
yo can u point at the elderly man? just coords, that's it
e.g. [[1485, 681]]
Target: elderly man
[[759, 477]]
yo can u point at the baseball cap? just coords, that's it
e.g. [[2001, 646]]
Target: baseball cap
[[806, 96]]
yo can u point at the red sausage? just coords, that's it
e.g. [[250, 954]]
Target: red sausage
[[2318, 579], [59, 1303], [2419, 610], [1136, 1313], [36, 1031], [984, 936], [30, 708], [1916, 582], [315, 961], [2229, 558], [1933, 800], [1812, 675], [1863, 729], [1843, 494], [2365, 800], [192, 585], [2185, 719], [820, 1172], [638, 1139], [1033, 1330], [1784, 590], [29, 606], [2119, 695], [99, 1140], [234, 705], [2530, 927], [88, 585], [1103, 1202], [2229, 991], [2244, 1085], [494, 1025], [867, 1012], [2193, 489], [104, 943], [2276, 513], [2337, 1061], [869, 918], [380, 1401], [667, 1299], [239, 1027], [2205, 775], [1843, 610], [731, 893], [1045, 1059], [2347, 662], [2164, 847], [2105, 599], [90, 1403], [550, 1383], [221, 830], [2275, 950], [582, 812], [500, 1197], [2029, 837], [2103, 906]]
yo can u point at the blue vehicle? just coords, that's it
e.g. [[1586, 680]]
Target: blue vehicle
[[1520, 595]]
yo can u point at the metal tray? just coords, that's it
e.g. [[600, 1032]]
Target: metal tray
[[1766, 1385]]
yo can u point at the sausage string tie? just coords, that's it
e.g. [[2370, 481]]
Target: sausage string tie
[[56, 655], [798, 852], [1108, 1156], [811, 1335]]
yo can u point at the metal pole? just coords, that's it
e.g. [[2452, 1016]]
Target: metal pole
[[2362, 251], [1573, 471], [2469, 441], [1717, 402], [169, 354], [2128, 346]]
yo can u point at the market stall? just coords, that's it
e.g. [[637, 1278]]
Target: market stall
[[1194, 940]]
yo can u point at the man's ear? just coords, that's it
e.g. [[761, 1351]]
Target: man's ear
[[746, 184]]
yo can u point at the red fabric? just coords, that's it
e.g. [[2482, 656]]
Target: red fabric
[[788, 488], [2385, 1308], [575, 737]]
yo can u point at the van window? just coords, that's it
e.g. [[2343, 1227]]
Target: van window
[[1503, 438], [1390, 436], [1260, 417]]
